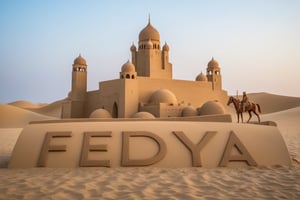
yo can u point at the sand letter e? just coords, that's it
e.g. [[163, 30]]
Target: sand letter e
[[51, 148], [127, 162], [194, 148], [87, 147]]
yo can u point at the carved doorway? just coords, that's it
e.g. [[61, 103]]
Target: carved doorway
[[115, 110]]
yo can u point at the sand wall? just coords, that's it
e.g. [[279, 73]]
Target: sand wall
[[169, 144]]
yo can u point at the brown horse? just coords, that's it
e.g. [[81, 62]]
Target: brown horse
[[239, 108]]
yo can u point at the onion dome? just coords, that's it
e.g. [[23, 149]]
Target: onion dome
[[189, 111], [149, 33], [143, 115], [80, 61], [166, 47], [201, 77], [163, 96], [128, 67], [211, 108], [100, 113], [133, 47], [212, 64]]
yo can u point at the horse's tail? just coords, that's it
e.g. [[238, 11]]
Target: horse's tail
[[258, 106]]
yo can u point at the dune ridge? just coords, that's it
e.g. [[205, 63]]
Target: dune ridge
[[26, 104], [52, 109], [270, 103], [15, 117]]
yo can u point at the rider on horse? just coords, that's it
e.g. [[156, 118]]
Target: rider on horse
[[245, 102]]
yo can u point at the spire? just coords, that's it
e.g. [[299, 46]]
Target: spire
[[149, 19]]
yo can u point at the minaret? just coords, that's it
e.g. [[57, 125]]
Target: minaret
[[149, 59], [214, 74], [79, 79]]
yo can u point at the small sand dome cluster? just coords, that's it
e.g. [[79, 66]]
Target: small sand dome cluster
[[100, 113]]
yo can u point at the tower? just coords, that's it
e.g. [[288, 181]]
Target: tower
[[149, 59], [214, 74], [79, 79]]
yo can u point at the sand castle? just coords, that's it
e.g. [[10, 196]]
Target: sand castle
[[144, 85], [146, 118]]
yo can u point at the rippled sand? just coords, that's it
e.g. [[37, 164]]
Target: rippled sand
[[149, 183]]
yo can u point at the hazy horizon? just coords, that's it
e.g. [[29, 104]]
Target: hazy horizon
[[256, 43]]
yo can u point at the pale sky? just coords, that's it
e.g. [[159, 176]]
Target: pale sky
[[257, 43]]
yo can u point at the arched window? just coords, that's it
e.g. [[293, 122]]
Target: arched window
[[127, 76], [132, 76], [115, 110]]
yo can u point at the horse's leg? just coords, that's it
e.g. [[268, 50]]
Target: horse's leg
[[257, 116], [238, 116], [250, 115], [242, 117]]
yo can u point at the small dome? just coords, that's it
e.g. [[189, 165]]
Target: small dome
[[133, 47], [189, 111], [211, 108], [148, 45], [80, 61], [149, 33], [128, 67], [166, 47], [213, 64], [143, 115], [100, 113], [163, 96], [201, 77]]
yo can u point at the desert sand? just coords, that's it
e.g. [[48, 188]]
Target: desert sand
[[277, 182]]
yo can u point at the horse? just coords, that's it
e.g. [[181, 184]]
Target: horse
[[239, 108]]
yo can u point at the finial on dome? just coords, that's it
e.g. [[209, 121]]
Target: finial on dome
[[149, 19]]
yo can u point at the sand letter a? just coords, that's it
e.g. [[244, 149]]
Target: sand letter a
[[244, 155]]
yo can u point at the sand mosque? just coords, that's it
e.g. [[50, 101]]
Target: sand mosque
[[145, 87]]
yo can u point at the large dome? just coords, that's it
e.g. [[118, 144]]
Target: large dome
[[211, 108], [100, 113], [149, 33], [163, 96], [80, 61], [128, 67]]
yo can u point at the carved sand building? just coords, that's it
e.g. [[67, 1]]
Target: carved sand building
[[145, 87]]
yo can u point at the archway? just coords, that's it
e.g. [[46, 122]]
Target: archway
[[115, 110]]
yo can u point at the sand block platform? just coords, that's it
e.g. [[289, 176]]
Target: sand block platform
[[148, 143]]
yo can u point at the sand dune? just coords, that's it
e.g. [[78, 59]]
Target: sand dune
[[52, 110], [14, 117], [26, 104], [270, 103]]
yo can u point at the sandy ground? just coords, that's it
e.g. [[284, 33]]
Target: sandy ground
[[278, 182]]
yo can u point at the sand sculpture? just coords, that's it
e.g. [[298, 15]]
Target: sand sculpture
[[144, 85], [146, 118]]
